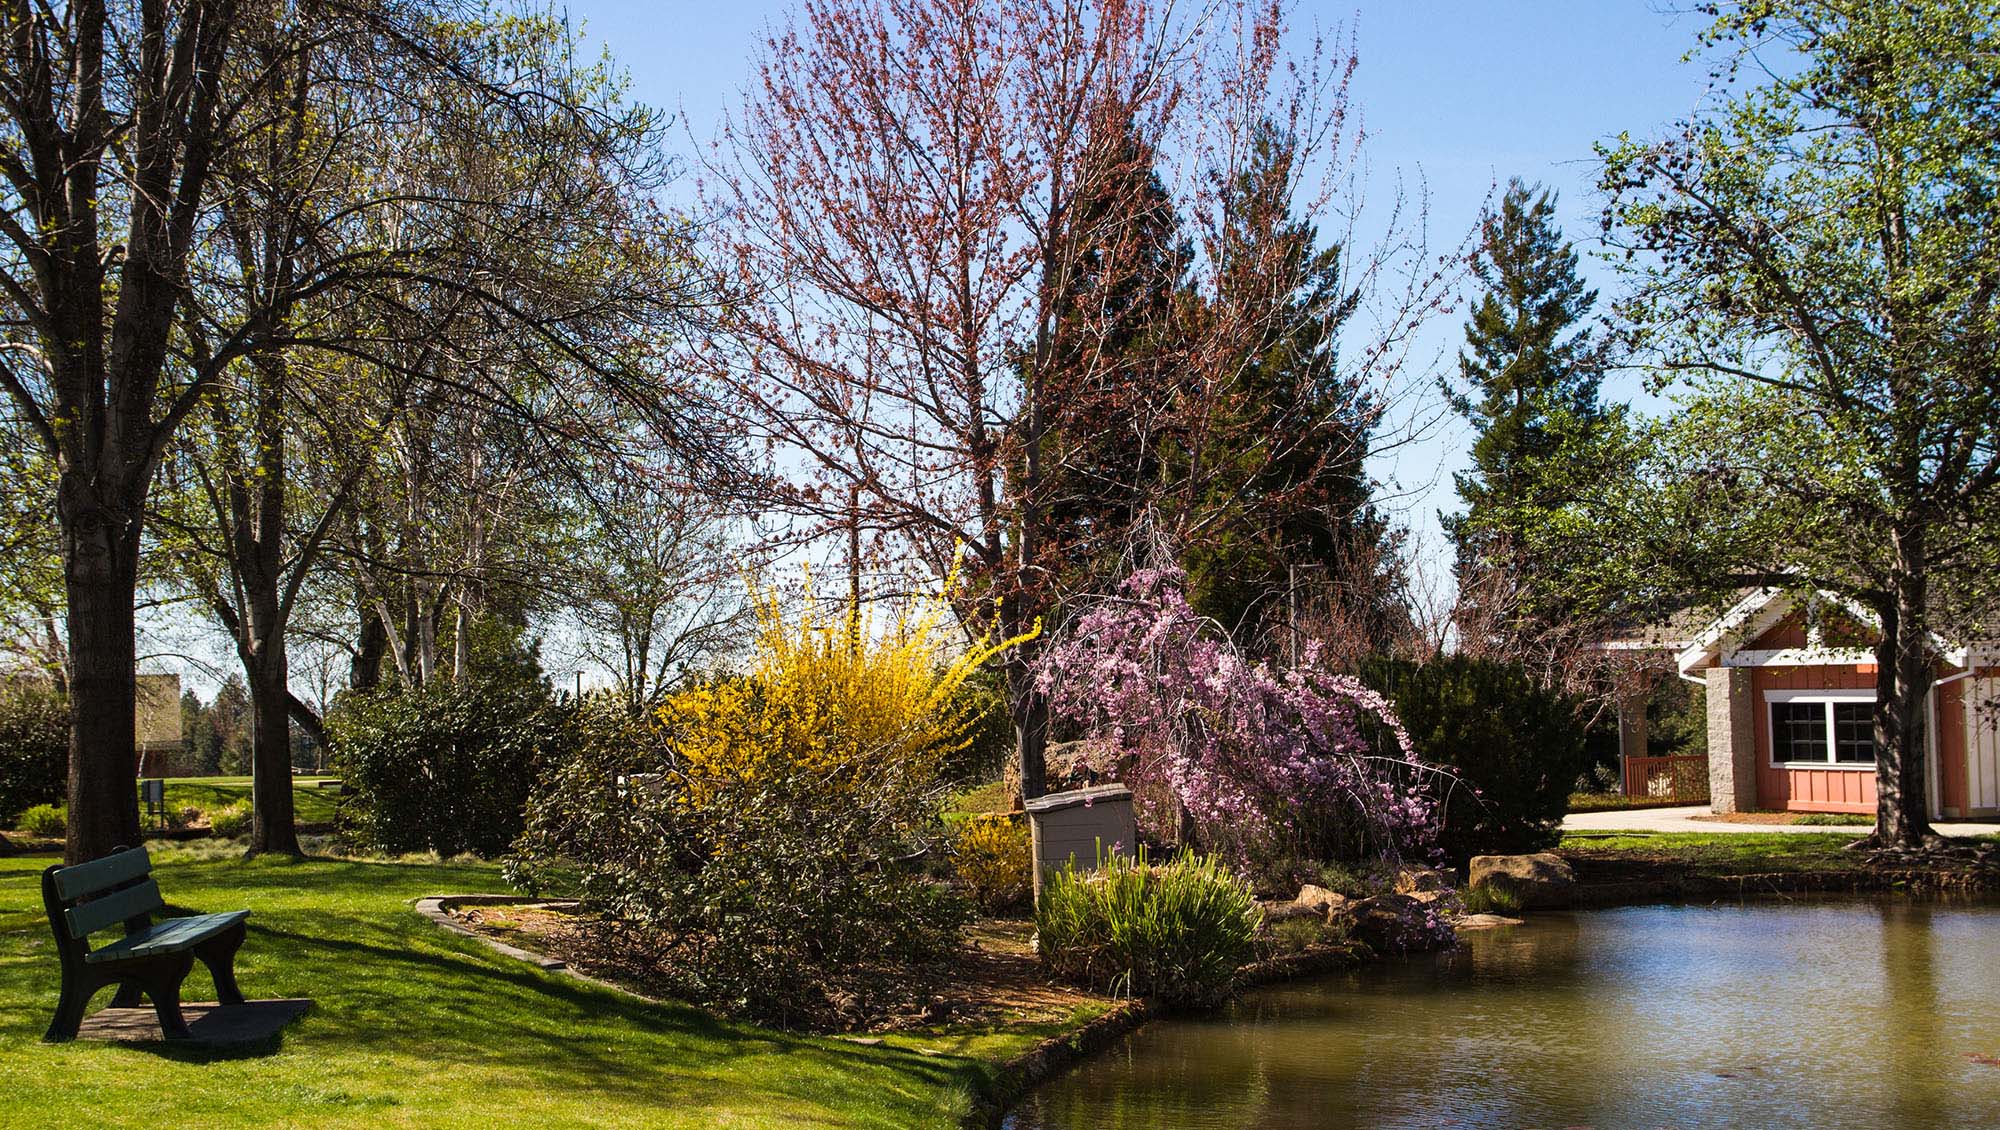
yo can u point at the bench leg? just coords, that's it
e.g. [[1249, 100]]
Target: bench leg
[[76, 994], [165, 989], [219, 954], [129, 995]]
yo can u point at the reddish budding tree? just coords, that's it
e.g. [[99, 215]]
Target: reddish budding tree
[[938, 214]]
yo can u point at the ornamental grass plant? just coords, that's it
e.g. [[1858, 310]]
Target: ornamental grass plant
[[1176, 932], [230, 821]]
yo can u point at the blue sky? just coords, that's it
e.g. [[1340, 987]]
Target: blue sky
[[1461, 94]]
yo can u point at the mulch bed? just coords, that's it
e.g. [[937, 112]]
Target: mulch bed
[[994, 980]]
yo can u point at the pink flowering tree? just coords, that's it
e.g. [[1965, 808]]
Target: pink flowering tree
[[1228, 754]]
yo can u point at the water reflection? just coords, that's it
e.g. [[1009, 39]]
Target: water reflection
[[1909, 972], [1792, 1015]]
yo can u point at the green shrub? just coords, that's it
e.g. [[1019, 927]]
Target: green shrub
[[231, 820], [795, 895], [1282, 877], [989, 739], [990, 857], [1344, 880], [45, 820], [34, 747], [1296, 934], [447, 768], [1177, 932], [1515, 748]]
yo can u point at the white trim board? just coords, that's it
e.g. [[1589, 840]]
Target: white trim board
[[1762, 609], [1799, 657]]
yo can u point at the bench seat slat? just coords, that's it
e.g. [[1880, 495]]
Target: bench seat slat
[[168, 936], [111, 909], [73, 883]]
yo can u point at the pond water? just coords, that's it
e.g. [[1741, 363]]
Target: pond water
[[1838, 1014]]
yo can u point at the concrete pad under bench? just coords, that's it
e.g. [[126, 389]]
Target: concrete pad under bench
[[208, 1022]]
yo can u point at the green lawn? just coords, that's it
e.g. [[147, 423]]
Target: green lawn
[[313, 805], [1735, 852], [1615, 802], [415, 1026]]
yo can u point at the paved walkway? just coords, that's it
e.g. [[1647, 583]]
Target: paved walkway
[[1682, 820]]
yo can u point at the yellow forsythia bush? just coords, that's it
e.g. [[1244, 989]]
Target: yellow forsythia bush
[[829, 693], [991, 856]]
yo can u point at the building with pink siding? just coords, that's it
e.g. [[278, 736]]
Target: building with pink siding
[[1790, 693]]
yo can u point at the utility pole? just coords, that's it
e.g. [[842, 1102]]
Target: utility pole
[[1292, 612], [854, 567]]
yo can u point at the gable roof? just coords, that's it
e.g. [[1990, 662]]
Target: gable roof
[[1759, 610]]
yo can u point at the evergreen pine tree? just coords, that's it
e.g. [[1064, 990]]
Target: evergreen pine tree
[[1300, 516], [1113, 364], [229, 715], [1528, 384]]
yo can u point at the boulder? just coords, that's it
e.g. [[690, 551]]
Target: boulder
[[1542, 881], [1483, 921], [1276, 912], [1330, 905], [1393, 923], [1420, 881]]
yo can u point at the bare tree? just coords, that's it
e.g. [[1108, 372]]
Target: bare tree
[[655, 585], [931, 205], [196, 191]]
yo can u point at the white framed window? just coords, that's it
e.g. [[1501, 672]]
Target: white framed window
[[1822, 729]]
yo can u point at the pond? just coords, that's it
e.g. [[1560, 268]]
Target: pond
[[1851, 1013]]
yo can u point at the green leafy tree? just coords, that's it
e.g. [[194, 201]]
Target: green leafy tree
[[34, 746], [230, 721], [198, 731], [1113, 368], [1528, 384], [31, 576], [1816, 256]]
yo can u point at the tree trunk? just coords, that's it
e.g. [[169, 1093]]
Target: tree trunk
[[364, 673], [267, 669], [307, 719], [256, 523], [461, 641], [1030, 711], [273, 825], [100, 575], [411, 666], [1904, 673]]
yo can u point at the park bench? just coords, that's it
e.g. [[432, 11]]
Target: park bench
[[152, 959]]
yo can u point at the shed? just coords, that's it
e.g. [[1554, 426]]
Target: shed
[[1083, 824]]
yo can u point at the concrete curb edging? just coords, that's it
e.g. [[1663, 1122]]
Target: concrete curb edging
[[438, 909], [1696, 887], [1050, 1058]]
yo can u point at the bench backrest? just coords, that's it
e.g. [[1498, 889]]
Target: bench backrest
[[103, 892]]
